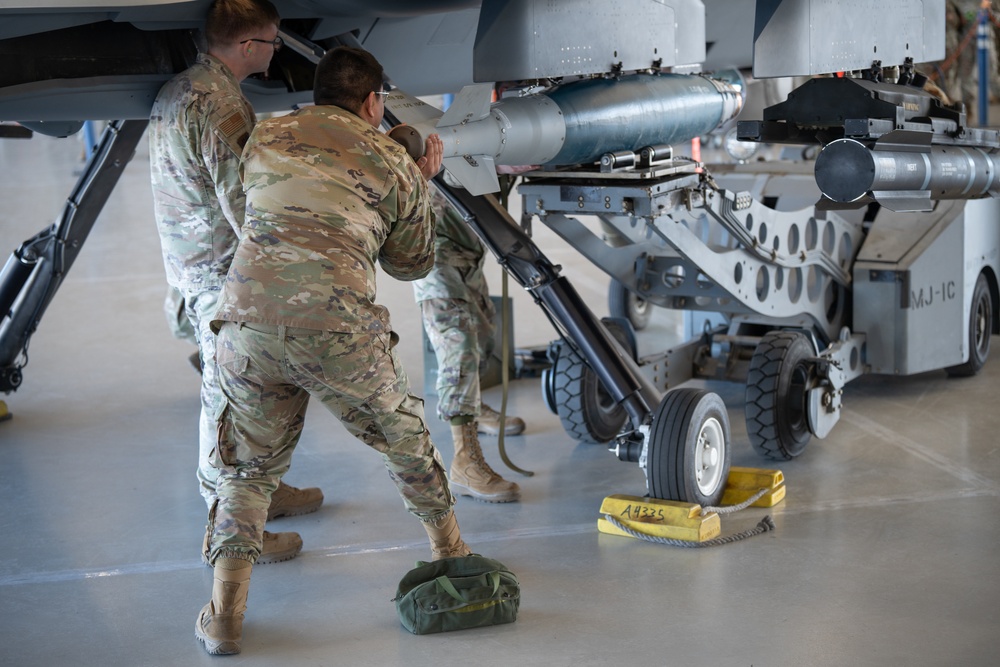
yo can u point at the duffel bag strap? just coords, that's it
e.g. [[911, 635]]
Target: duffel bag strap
[[445, 584]]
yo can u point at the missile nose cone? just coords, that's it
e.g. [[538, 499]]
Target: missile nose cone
[[409, 139], [845, 170]]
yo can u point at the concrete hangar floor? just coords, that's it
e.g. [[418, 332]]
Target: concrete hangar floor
[[884, 551]]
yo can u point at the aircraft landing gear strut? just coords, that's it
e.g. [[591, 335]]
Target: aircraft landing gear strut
[[35, 270]]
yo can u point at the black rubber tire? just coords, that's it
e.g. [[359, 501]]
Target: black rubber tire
[[683, 420], [587, 411], [548, 377], [980, 330], [776, 409], [626, 304]]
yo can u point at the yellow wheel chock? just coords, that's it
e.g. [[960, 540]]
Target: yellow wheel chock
[[667, 519], [744, 483], [659, 518]]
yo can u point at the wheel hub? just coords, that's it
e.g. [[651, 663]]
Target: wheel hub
[[711, 441]]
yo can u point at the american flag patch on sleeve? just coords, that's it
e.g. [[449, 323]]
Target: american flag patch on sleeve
[[232, 125]]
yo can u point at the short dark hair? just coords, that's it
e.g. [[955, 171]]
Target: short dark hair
[[345, 76], [228, 20]]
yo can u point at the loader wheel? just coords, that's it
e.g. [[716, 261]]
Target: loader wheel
[[587, 411], [573, 391], [622, 302], [776, 396], [980, 329]]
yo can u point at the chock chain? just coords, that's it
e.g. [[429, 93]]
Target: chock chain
[[732, 509]]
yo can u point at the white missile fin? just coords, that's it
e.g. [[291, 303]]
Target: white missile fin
[[410, 110], [904, 202], [471, 104], [476, 173]]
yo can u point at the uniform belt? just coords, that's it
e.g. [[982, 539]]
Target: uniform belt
[[276, 329]]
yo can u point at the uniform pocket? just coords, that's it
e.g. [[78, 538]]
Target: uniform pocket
[[222, 453], [228, 357]]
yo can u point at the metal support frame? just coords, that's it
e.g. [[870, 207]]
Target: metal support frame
[[687, 243], [839, 363], [35, 270], [677, 239]]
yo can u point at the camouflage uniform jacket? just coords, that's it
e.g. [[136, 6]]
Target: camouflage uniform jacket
[[456, 246], [327, 196], [198, 126]]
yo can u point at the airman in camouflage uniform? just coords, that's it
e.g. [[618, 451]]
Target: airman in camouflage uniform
[[328, 195], [198, 126], [458, 318]]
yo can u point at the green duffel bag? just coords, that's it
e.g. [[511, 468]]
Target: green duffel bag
[[457, 594]]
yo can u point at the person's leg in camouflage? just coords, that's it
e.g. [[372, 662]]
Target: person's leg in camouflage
[[368, 390], [455, 329], [258, 423], [482, 315], [357, 377], [200, 306]]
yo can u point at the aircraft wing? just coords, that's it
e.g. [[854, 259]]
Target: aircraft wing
[[98, 60], [77, 61]]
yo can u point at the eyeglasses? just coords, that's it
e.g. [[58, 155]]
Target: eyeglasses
[[382, 93], [277, 42]]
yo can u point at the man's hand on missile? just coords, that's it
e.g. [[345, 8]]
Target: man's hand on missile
[[430, 163]]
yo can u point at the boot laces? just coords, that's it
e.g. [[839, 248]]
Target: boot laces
[[476, 451]]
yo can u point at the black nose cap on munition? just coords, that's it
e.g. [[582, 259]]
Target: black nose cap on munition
[[409, 139]]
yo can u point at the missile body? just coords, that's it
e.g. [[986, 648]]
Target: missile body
[[905, 177], [575, 123]]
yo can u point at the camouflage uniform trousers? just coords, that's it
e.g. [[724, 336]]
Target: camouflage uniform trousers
[[461, 333], [199, 306], [177, 318], [267, 377]]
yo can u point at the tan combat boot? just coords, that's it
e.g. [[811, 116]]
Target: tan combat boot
[[220, 623], [277, 547], [290, 501], [471, 475], [446, 539], [489, 422]]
